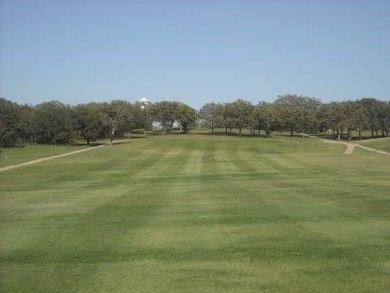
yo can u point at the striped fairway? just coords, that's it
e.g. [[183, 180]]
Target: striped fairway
[[198, 213]]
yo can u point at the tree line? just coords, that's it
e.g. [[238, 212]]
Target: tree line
[[56, 123]]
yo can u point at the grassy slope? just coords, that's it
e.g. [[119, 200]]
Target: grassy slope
[[379, 143], [199, 213]]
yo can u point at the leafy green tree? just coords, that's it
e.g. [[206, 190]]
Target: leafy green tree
[[323, 121], [141, 117], [336, 118], [287, 107], [116, 117], [358, 117], [28, 116], [344, 116], [53, 123], [88, 122], [10, 132], [237, 114], [376, 114], [211, 115], [241, 112], [165, 112], [386, 120], [186, 116], [264, 114], [297, 113], [228, 116]]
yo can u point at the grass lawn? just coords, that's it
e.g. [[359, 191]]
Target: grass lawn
[[382, 144], [199, 213], [17, 155]]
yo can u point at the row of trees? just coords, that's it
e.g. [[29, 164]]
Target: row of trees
[[55, 123], [300, 114]]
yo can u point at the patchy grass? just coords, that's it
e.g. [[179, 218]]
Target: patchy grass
[[198, 213]]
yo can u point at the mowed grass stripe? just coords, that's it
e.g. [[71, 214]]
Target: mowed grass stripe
[[293, 235], [255, 164], [169, 217], [67, 199]]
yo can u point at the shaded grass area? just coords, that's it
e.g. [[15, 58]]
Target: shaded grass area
[[199, 214]]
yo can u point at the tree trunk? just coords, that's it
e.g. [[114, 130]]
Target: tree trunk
[[113, 129], [291, 132]]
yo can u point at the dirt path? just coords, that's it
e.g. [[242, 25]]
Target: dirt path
[[350, 146], [349, 149], [48, 158], [372, 150]]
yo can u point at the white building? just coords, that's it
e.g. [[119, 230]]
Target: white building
[[144, 102]]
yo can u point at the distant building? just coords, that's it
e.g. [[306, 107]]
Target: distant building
[[145, 102]]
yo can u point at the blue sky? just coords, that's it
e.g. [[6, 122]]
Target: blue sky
[[193, 51]]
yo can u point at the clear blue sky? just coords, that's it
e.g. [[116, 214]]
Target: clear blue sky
[[194, 51]]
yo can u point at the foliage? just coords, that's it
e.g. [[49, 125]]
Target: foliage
[[240, 112], [141, 117], [187, 116], [53, 122], [9, 123], [211, 115], [378, 115], [88, 121], [165, 112], [297, 113], [263, 117], [116, 116]]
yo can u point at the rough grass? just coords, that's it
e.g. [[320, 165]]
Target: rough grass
[[199, 214]]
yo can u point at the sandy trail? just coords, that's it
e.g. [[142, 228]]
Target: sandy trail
[[349, 149], [48, 158], [350, 146], [372, 150]]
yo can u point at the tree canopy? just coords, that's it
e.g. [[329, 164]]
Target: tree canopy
[[54, 122]]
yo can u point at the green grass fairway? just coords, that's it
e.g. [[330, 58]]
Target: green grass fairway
[[199, 213]]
